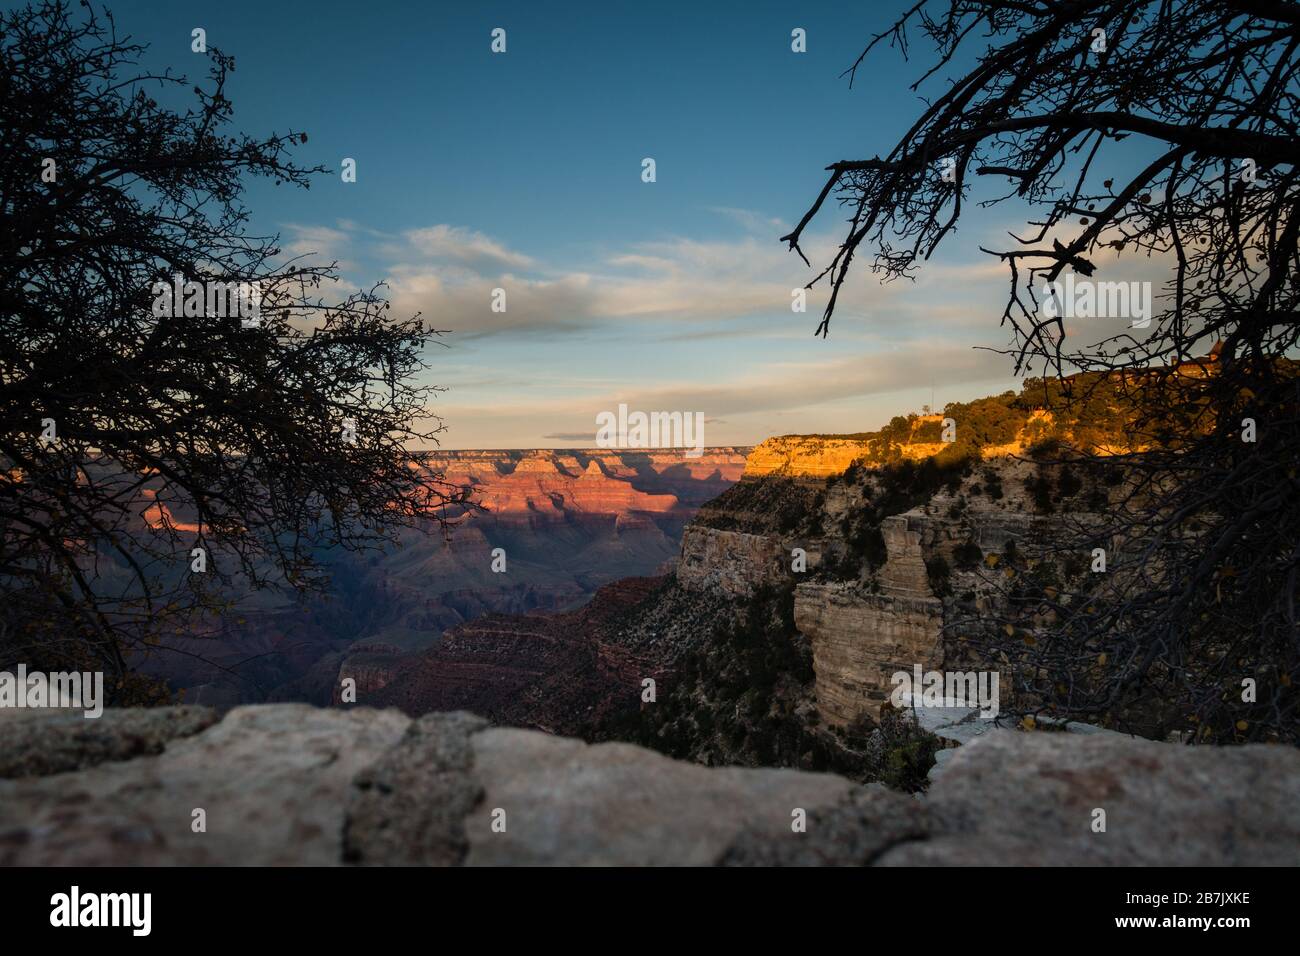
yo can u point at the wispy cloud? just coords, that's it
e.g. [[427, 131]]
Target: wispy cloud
[[451, 273], [465, 246], [678, 280], [584, 437], [644, 323], [767, 390], [323, 241], [750, 220]]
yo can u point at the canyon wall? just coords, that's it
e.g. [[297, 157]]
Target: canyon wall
[[804, 456], [863, 625], [863, 635], [733, 562], [518, 483]]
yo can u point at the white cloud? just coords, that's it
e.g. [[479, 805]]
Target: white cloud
[[707, 288], [461, 301], [466, 246], [449, 274], [321, 241]]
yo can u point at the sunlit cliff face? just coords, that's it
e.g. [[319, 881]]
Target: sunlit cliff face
[[817, 456], [544, 482]]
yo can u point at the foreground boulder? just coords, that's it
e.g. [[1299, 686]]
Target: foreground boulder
[[523, 797], [271, 782], [293, 784], [1028, 799], [41, 742]]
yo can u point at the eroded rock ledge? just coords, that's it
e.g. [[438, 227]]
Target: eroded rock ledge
[[295, 784]]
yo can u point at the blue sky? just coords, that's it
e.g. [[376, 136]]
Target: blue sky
[[522, 171]]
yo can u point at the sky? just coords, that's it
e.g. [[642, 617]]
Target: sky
[[522, 171]]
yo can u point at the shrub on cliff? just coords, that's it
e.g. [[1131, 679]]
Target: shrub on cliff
[[744, 695], [939, 574], [967, 555], [1040, 492], [908, 752], [893, 750]]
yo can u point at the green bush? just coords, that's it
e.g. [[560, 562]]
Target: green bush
[[937, 570], [1040, 491], [967, 555], [1068, 484], [908, 752]]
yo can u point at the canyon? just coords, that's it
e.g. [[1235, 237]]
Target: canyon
[[777, 558], [748, 607], [561, 523], [833, 563], [679, 714]]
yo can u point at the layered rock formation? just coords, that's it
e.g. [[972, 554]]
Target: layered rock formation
[[293, 784], [519, 484], [862, 637], [859, 640], [565, 522], [804, 456], [865, 623]]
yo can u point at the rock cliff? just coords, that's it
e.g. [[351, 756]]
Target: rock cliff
[[859, 640], [820, 456], [887, 569], [732, 562]]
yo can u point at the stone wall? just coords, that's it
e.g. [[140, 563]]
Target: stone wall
[[290, 784]]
